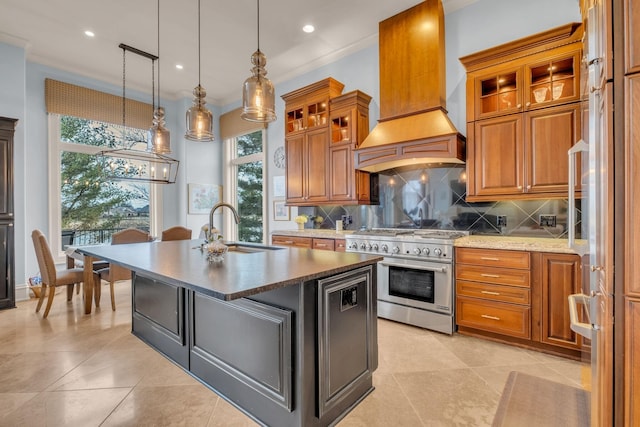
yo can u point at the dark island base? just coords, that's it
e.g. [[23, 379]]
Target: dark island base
[[301, 355]]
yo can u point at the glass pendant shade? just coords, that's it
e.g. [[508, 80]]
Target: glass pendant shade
[[199, 119], [258, 94], [158, 136]]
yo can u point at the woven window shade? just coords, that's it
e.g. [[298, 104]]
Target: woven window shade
[[77, 101], [232, 125]]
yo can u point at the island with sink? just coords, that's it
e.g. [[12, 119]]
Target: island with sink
[[286, 335]]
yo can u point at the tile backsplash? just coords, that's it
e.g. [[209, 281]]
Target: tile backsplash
[[434, 197]]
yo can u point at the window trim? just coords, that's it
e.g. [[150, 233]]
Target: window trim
[[56, 147]]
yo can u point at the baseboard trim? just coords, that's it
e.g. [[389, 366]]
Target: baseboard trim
[[22, 292]]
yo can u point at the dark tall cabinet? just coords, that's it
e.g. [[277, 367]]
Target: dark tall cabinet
[[7, 279]]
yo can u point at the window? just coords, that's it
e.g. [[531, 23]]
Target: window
[[244, 186], [86, 208]]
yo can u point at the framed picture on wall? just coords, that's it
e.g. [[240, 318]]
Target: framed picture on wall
[[280, 211], [202, 197]]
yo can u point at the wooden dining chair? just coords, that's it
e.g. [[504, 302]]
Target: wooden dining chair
[[52, 278], [177, 232], [114, 272]]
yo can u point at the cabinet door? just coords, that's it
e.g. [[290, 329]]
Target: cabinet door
[[317, 161], [498, 157], [6, 174], [553, 81], [560, 278], [342, 173], [295, 160], [549, 134], [7, 281], [498, 93]]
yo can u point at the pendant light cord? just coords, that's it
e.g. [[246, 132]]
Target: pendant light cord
[[198, 42], [258, 19], [158, 54], [124, 73]]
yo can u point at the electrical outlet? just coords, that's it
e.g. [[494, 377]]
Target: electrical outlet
[[547, 220], [501, 221]]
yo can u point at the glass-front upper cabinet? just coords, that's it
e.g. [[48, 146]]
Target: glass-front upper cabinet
[[341, 126], [553, 81], [307, 116], [498, 93]]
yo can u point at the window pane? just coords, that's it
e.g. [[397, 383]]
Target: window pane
[[89, 132], [249, 201], [249, 144], [93, 207]]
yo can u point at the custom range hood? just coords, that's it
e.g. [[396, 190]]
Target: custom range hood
[[414, 128]]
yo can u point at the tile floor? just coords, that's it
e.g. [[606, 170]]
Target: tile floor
[[73, 369]]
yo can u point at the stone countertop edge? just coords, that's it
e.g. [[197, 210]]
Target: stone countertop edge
[[314, 232], [238, 276], [532, 244]]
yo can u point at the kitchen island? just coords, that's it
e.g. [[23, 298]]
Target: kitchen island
[[286, 335]]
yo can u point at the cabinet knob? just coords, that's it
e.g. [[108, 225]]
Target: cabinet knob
[[519, 106], [596, 268], [528, 187], [519, 187], [528, 104]]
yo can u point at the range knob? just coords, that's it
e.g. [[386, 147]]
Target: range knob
[[417, 251], [363, 246], [437, 251], [369, 246], [395, 249], [425, 251], [385, 248], [375, 247], [353, 245]]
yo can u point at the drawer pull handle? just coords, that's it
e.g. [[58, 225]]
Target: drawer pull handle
[[322, 245], [490, 275], [488, 258], [486, 316], [490, 293], [288, 242]]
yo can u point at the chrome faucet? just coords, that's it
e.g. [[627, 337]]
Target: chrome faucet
[[236, 217]]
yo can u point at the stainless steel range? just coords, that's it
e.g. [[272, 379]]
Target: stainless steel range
[[415, 278]]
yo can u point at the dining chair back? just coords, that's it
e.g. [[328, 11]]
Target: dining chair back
[[114, 272], [51, 277], [177, 232]]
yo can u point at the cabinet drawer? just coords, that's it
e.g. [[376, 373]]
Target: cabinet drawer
[[493, 257], [500, 276], [300, 242], [324, 244], [340, 245], [498, 317], [493, 292]]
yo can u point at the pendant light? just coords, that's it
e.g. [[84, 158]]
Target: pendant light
[[158, 136], [258, 94], [199, 119]]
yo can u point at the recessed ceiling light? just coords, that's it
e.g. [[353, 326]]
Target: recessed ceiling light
[[308, 28], [179, 66], [89, 33]]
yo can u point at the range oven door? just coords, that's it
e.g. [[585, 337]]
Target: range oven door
[[420, 284]]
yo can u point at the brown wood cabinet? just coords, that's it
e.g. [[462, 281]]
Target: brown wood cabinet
[[327, 244], [307, 142], [349, 117], [7, 278], [518, 297], [560, 277], [523, 114], [492, 290]]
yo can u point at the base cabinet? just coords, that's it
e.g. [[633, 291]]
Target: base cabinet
[[519, 297], [327, 244]]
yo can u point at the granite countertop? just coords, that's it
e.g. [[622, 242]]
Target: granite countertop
[[533, 244], [314, 232], [182, 263]]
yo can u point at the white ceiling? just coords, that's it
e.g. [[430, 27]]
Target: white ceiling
[[52, 32]]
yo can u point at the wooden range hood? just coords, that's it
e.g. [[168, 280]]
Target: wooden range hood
[[414, 128]]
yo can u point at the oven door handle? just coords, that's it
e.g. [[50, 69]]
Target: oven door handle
[[414, 267]]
